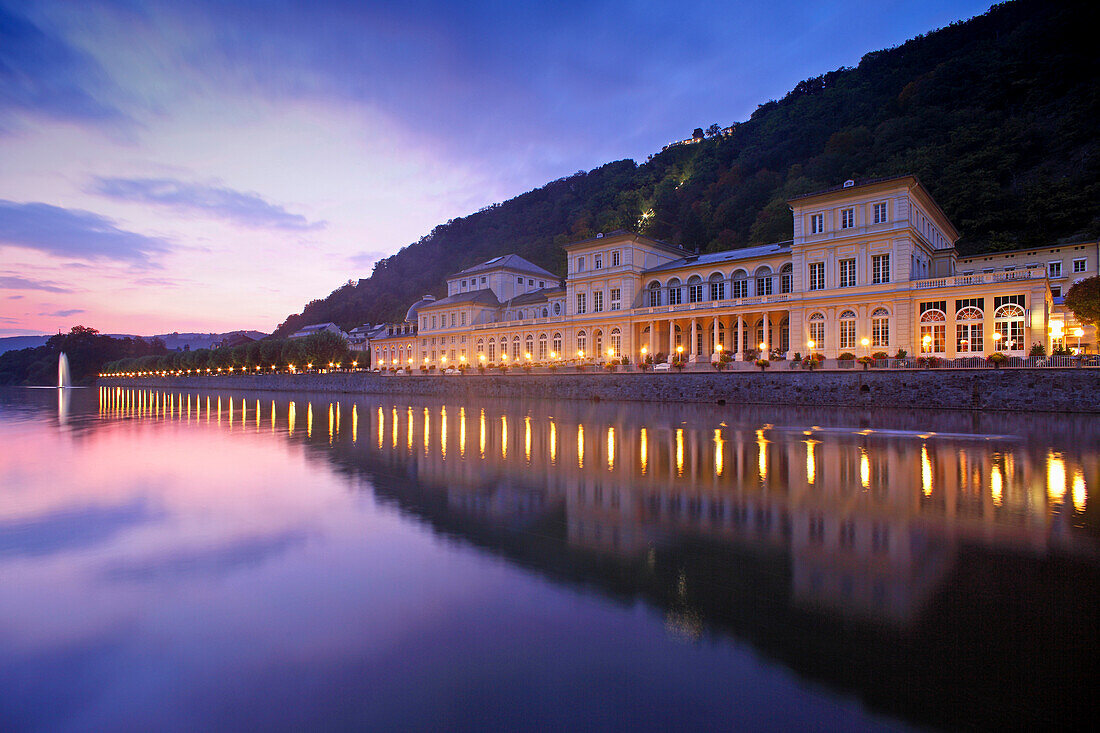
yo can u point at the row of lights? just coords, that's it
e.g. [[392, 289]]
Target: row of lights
[[218, 370]]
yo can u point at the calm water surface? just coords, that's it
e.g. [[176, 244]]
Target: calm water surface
[[236, 561]]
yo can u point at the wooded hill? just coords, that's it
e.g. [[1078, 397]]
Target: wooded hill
[[996, 115]]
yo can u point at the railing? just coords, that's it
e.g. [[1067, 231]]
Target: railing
[[713, 304], [975, 362], [983, 278]]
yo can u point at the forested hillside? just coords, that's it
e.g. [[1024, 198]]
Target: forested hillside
[[997, 116]]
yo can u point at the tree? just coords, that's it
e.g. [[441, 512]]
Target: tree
[[1084, 300], [697, 134], [713, 130]]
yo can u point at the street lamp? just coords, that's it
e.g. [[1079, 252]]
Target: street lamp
[[1078, 333], [926, 343], [997, 340]]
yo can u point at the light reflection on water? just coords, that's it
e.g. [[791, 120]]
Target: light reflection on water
[[821, 540]]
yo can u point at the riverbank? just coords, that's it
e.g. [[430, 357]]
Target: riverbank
[[1012, 390]]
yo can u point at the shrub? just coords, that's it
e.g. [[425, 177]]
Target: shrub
[[1037, 349], [763, 364], [996, 358], [847, 356], [797, 356], [880, 355], [902, 353]]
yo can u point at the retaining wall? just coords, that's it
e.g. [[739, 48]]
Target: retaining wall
[[1013, 390]]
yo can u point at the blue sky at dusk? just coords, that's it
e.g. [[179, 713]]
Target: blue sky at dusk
[[209, 166]]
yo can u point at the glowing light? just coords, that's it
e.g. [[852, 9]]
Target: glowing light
[[763, 346], [462, 432], [643, 450], [719, 459], [580, 446], [331, 424], [811, 462], [996, 484], [504, 436], [679, 451], [481, 357], [527, 438], [580, 353], [408, 429], [1078, 332], [864, 469], [381, 427], [553, 442], [291, 414], [610, 449], [811, 343], [481, 436], [925, 470], [1056, 476], [1080, 492], [309, 419], [427, 431], [996, 336], [443, 432], [762, 456], [865, 342]]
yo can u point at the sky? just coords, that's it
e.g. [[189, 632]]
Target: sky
[[214, 165]]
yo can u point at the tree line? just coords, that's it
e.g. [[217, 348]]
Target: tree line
[[317, 350]]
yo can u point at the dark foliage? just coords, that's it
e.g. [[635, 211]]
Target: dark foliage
[[996, 116], [86, 349], [317, 350]]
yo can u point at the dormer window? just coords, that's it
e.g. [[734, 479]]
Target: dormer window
[[847, 218], [817, 223]]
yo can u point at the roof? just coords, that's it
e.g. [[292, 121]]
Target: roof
[[858, 184], [508, 262], [477, 297], [1025, 249], [632, 235], [720, 258], [410, 314], [536, 296]]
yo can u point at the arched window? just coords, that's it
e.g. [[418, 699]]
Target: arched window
[[529, 346], [515, 348], [848, 330], [675, 295], [786, 274], [597, 346], [582, 344], [695, 289], [764, 281], [717, 286], [761, 337], [740, 281], [933, 331], [557, 345], [480, 347], [545, 312], [968, 330], [542, 347], [1008, 320], [616, 342], [880, 327], [718, 337], [557, 308], [785, 335], [654, 294], [817, 331], [492, 349]]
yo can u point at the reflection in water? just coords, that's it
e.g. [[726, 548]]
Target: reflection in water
[[868, 553]]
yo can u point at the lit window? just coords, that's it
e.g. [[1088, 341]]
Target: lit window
[[847, 218], [847, 330], [817, 330], [880, 327]]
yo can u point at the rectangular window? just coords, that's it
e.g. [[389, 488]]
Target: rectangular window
[[598, 265], [847, 218], [615, 261], [695, 293], [616, 299], [434, 322], [463, 319], [654, 297], [968, 337], [817, 276], [785, 281], [580, 264], [763, 286], [452, 320], [582, 303], [880, 213], [880, 331], [848, 334], [424, 324], [484, 280], [519, 280], [1079, 265], [597, 301], [847, 273], [937, 336], [675, 296], [817, 334], [740, 288], [542, 283], [1054, 269], [880, 269], [817, 223], [718, 290], [1056, 291]]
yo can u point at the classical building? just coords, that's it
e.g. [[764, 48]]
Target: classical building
[[872, 268]]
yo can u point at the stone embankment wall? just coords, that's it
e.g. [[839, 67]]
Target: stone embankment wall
[[1014, 390]]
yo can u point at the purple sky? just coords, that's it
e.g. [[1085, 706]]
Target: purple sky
[[207, 166]]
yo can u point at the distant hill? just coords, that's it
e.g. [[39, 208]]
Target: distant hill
[[173, 341], [996, 115]]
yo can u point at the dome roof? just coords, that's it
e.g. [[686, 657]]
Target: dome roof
[[410, 317]]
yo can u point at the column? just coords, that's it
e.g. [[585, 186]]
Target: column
[[653, 339], [714, 339], [694, 340], [736, 342], [767, 338], [671, 340]]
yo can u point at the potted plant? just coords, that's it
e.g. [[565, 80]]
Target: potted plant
[[503, 368], [581, 366], [902, 353], [880, 356], [481, 368], [647, 363], [996, 359], [722, 361], [611, 365], [866, 361], [763, 364], [678, 364], [552, 366]]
